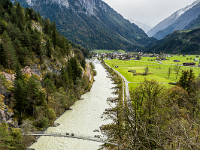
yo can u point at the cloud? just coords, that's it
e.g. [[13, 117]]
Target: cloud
[[149, 12]]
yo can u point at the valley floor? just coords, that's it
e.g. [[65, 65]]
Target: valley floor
[[157, 70]]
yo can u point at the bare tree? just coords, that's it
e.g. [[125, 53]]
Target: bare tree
[[169, 72], [177, 69]]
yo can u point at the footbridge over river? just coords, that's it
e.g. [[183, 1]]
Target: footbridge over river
[[96, 138]]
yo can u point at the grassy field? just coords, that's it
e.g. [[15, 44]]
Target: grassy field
[[108, 51], [157, 71]]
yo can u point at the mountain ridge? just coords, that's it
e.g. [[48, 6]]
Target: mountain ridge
[[178, 42], [141, 25], [92, 24], [168, 25]]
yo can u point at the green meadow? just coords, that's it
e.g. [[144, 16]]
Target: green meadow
[[107, 51], [157, 71]]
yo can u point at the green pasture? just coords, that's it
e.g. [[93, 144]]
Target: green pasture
[[182, 59], [157, 71], [107, 51]]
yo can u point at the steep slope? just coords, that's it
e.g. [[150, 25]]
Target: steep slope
[[179, 42], [91, 23], [179, 20], [41, 74], [141, 25], [194, 23], [170, 20]]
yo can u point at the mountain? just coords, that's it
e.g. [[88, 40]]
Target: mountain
[[179, 42], [141, 25], [194, 23], [177, 21], [91, 23]]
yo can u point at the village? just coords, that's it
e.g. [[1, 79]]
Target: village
[[190, 60]]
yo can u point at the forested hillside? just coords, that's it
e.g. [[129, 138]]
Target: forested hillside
[[194, 23], [179, 42], [92, 24], [41, 73]]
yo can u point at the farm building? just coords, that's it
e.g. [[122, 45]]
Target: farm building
[[176, 60], [189, 64]]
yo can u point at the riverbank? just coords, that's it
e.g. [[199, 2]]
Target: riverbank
[[85, 117], [88, 79], [114, 131]]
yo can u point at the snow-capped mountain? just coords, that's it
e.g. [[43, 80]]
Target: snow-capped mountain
[[172, 19]]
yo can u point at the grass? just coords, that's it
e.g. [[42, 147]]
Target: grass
[[107, 51], [158, 72]]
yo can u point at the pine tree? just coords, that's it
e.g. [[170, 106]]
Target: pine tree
[[48, 49], [65, 78], [32, 13], [20, 16], [20, 52], [2, 57], [9, 51], [49, 87], [83, 63], [20, 95], [47, 26], [18, 73], [1, 10], [35, 97], [70, 73], [54, 34]]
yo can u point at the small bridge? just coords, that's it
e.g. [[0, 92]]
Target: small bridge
[[96, 138]]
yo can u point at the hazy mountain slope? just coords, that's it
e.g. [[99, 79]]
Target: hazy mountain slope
[[91, 23], [181, 22], [194, 23], [170, 20], [141, 25]]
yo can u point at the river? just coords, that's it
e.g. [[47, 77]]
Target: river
[[84, 118]]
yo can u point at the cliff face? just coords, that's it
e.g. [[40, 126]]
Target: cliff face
[[6, 115], [89, 7]]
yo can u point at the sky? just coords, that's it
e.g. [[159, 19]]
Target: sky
[[149, 12]]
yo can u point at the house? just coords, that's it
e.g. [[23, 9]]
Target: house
[[161, 58], [95, 55], [196, 59], [189, 64]]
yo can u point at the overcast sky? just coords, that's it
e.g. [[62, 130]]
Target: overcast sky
[[149, 12]]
